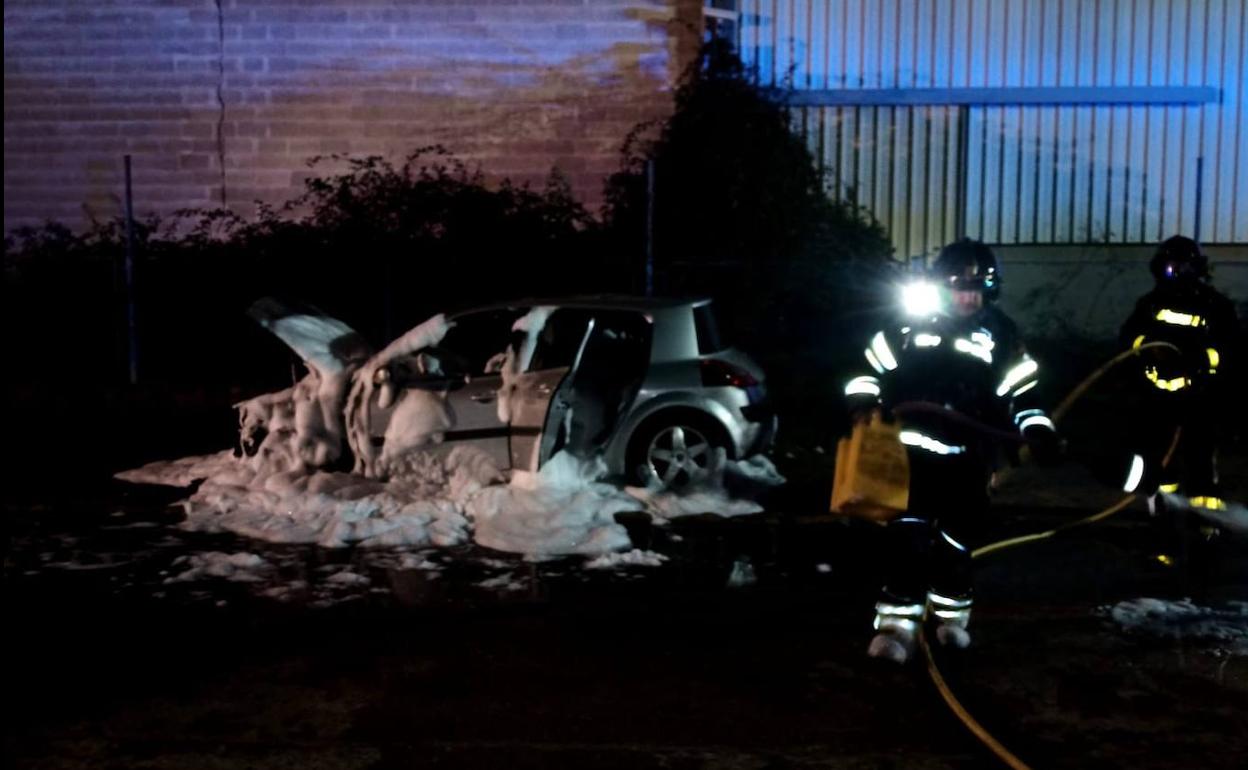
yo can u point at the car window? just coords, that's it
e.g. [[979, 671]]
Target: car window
[[479, 337], [710, 336], [618, 349], [560, 339]]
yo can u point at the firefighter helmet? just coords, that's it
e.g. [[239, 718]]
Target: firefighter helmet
[[968, 265], [1179, 259]]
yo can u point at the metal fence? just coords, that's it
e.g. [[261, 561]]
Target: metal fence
[[1019, 121]]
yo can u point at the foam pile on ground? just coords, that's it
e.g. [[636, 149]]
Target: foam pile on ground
[[348, 578], [505, 582], [421, 505], [710, 492], [441, 499], [560, 510], [239, 567], [183, 472], [634, 558], [1183, 619]]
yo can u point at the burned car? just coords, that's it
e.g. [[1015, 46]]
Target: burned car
[[647, 384]]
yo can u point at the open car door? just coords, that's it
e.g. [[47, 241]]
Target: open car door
[[544, 355], [602, 385], [586, 370]]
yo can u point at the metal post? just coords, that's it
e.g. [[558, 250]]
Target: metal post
[[963, 156], [1200, 169], [650, 227], [131, 327]]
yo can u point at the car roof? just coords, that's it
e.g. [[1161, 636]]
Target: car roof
[[596, 301]]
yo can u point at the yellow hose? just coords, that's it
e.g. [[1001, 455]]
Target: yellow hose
[[991, 743], [1091, 379], [1013, 541], [985, 737]]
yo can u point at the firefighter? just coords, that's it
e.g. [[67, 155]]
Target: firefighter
[[959, 355], [1191, 389]]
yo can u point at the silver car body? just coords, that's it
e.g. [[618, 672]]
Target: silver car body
[[667, 385]]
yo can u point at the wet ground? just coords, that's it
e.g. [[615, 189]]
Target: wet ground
[[743, 650], [130, 645]]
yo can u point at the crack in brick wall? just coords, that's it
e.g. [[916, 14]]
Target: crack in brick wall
[[221, 100]]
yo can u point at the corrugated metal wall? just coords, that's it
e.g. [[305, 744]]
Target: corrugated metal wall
[[1035, 174]]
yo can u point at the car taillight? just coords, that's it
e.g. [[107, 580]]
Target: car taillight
[[717, 374]]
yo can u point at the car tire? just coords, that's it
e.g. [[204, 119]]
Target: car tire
[[672, 446]]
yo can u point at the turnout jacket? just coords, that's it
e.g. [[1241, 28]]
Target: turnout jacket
[[1199, 321], [975, 366]]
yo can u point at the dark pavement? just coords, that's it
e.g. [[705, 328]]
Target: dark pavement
[[110, 666], [111, 662]]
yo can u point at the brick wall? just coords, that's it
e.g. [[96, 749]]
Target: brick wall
[[223, 102]]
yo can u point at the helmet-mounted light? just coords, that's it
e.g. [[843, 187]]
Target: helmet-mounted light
[[920, 299]]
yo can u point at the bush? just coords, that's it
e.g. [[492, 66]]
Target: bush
[[378, 245], [741, 212]]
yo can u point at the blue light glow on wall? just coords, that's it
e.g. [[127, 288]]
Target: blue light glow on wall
[[1032, 174]]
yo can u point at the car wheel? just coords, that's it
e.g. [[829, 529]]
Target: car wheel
[[674, 449]]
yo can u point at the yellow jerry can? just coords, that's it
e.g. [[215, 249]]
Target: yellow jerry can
[[872, 478]]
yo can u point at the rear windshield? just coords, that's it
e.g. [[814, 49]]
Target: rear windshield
[[710, 338]]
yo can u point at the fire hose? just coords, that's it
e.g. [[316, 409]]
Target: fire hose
[[973, 725]]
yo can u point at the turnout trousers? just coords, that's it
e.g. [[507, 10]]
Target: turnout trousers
[[927, 562]]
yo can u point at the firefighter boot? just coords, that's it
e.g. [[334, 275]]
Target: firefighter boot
[[898, 631], [952, 617]]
